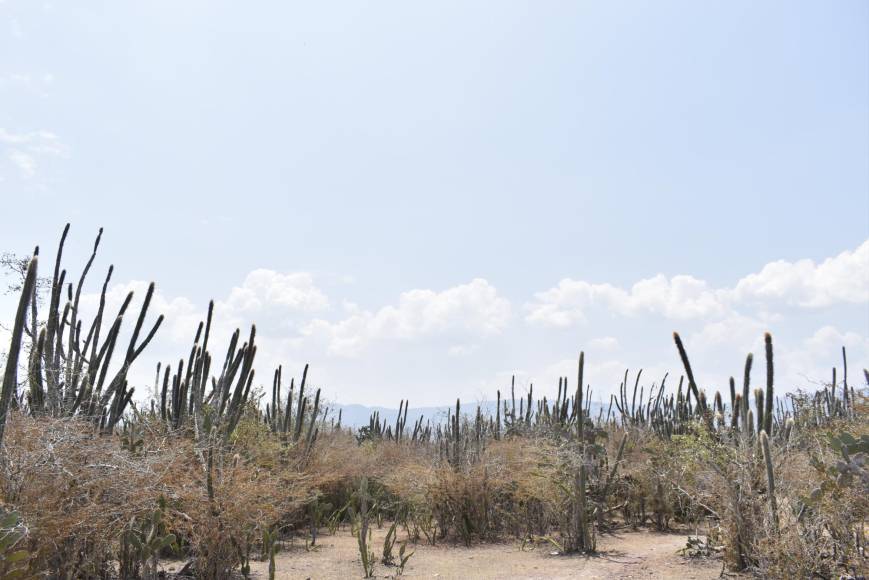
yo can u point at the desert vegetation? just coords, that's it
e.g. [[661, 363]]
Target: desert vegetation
[[222, 468]]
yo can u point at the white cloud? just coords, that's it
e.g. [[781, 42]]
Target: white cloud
[[181, 315], [283, 304], [679, 297], [837, 280], [841, 279], [473, 309], [272, 300], [269, 299], [263, 289]]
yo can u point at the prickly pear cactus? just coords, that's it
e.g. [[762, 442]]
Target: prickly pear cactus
[[14, 562]]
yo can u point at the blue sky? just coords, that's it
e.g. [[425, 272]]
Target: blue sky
[[396, 191]]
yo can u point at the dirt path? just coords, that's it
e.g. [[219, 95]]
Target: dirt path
[[629, 554]]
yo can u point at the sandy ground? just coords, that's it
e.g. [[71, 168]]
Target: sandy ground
[[628, 554]]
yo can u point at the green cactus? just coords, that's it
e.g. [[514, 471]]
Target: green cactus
[[403, 557], [746, 386], [10, 374], [142, 543], [768, 413], [585, 537], [363, 531], [580, 423], [301, 406], [388, 558], [269, 549], [14, 562], [692, 385], [758, 400], [770, 479]]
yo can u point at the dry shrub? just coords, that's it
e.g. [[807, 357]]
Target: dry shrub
[[525, 476], [340, 460], [256, 485], [822, 510], [661, 480], [722, 480], [222, 532], [78, 490], [508, 488]]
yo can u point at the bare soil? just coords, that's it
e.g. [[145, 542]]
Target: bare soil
[[624, 554]]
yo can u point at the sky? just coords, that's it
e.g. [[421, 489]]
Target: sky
[[423, 199]]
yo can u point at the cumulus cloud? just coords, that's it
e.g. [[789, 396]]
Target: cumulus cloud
[[263, 289], [293, 318], [473, 309], [679, 297], [181, 315], [271, 299], [805, 284], [840, 279]]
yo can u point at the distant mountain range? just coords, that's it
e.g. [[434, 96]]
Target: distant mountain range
[[359, 415]]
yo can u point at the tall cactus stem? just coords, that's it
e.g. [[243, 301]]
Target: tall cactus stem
[[770, 399], [770, 479], [10, 374]]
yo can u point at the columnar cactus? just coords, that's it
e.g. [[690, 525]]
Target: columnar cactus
[[768, 414], [10, 374], [746, 385], [758, 400], [692, 385], [770, 479], [580, 424]]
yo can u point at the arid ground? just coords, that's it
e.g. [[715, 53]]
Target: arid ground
[[624, 554]]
